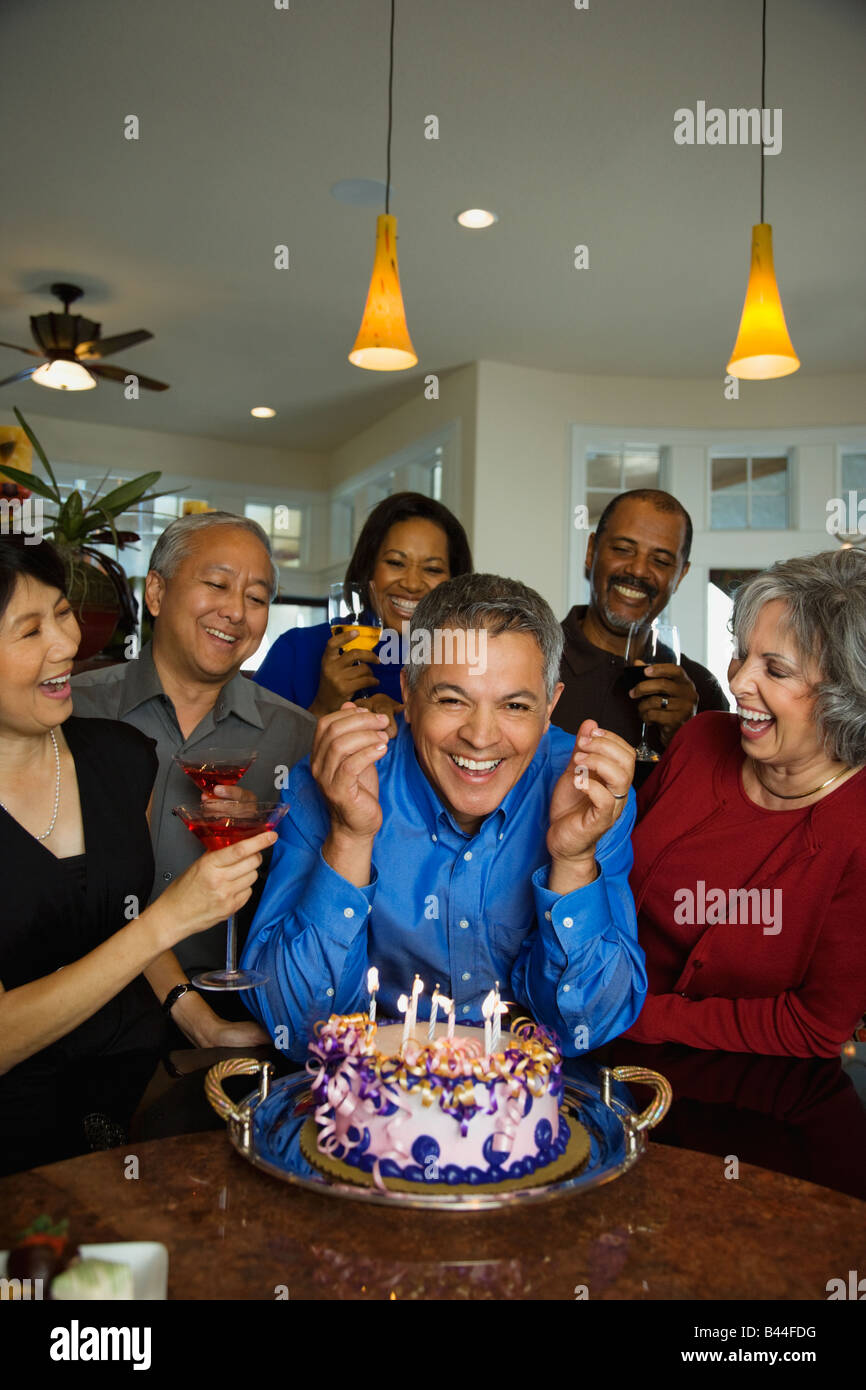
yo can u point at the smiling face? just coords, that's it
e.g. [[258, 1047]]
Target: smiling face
[[476, 734], [213, 611], [412, 560], [39, 637], [635, 565], [774, 690]]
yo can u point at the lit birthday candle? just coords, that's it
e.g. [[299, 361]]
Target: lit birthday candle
[[487, 1009], [496, 1029], [417, 989], [434, 1009], [403, 1006], [372, 986]]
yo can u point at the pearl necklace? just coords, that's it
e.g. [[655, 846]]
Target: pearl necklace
[[56, 791]]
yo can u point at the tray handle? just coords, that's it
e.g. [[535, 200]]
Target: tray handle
[[658, 1106], [235, 1066]]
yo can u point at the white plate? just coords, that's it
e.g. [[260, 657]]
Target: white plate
[[147, 1259]]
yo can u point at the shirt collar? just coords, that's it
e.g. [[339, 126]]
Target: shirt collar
[[142, 683], [580, 654]]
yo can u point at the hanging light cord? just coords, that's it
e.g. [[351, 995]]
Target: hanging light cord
[[391, 112], [763, 83]]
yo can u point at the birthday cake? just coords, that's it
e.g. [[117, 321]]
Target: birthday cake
[[436, 1111]]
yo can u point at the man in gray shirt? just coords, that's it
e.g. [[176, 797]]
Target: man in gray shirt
[[209, 588]]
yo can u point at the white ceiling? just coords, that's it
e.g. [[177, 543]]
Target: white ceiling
[[560, 119]]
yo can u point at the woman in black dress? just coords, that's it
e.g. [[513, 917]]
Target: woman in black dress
[[76, 1015]]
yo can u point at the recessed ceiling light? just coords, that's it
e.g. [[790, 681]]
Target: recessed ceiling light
[[475, 218], [263, 412]]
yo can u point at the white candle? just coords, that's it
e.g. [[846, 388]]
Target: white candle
[[372, 986], [487, 1010], [496, 1030], [450, 1009], [403, 1006], [434, 1009], [417, 989]]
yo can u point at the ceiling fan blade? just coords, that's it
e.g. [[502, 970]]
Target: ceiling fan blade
[[121, 373], [104, 347], [30, 351], [19, 376]]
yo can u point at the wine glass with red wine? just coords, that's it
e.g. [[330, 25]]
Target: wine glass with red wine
[[219, 825], [659, 642], [214, 767]]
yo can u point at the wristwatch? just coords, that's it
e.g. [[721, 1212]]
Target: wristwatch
[[173, 995]]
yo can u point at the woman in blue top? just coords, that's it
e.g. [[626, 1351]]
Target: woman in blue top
[[409, 544]]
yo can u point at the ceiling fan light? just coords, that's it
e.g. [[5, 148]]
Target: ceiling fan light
[[383, 343], [60, 375], [763, 348]]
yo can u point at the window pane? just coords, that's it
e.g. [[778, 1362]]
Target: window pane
[[728, 512], [436, 481], [286, 550], [854, 473], [604, 470], [641, 468], [770, 475], [263, 515], [287, 521], [729, 474], [769, 513]]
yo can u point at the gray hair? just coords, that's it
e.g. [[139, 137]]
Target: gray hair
[[825, 596], [472, 601], [174, 544]]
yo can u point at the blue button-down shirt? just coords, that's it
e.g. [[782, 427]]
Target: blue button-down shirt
[[459, 910]]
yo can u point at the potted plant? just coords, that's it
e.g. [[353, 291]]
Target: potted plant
[[97, 585]]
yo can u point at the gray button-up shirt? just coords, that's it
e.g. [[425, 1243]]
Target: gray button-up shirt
[[245, 716]]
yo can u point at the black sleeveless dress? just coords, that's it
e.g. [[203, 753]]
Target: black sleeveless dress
[[79, 1092]]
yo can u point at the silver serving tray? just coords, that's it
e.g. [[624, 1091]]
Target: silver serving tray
[[265, 1129]]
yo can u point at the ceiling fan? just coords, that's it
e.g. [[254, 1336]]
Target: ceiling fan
[[73, 349]]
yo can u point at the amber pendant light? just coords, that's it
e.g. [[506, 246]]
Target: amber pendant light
[[763, 348], [383, 343]]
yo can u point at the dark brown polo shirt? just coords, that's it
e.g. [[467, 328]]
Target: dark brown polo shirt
[[594, 689]]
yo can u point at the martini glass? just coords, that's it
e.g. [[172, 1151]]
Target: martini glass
[[346, 609], [217, 828], [213, 767]]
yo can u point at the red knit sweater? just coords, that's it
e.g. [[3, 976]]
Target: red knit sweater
[[780, 972]]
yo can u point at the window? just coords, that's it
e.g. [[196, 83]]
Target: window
[[285, 527], [609, 474], [854, 475], [749, 492]]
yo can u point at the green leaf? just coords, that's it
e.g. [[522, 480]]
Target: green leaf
[[110, 520], [70, 517], [15, 475], [128, 494], [40, 452]]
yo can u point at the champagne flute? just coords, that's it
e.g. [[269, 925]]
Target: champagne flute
[[218, 826], [660, 642]]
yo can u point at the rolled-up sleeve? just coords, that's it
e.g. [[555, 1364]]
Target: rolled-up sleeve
[[309, 935], [582, 971]]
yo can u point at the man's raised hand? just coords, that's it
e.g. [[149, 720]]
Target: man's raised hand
[[346, 747], [587, 800]]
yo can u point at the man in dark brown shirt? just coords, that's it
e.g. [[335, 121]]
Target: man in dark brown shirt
[[635, 560]]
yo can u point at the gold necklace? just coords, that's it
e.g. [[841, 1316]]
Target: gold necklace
[[800, 795]]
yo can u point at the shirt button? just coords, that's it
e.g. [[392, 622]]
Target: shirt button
[[568, 921], [369, 907], [167, 876], [548, 916], [463, 922], [566, 988], [330, 993], [466, 975], [434, 838], [348, 912], [466, 1008], [696, 964], [502, 834], [468, 855]]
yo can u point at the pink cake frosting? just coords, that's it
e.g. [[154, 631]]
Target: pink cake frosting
[[440, 1111]]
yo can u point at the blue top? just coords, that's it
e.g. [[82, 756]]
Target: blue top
[[460, 910], [292, 667]]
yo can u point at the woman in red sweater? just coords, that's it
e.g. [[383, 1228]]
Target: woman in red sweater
[[750, 852]]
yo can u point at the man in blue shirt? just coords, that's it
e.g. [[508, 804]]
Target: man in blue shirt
[[479, 844]]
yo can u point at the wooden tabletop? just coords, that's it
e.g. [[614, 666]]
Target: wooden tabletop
[[673, 1227]]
